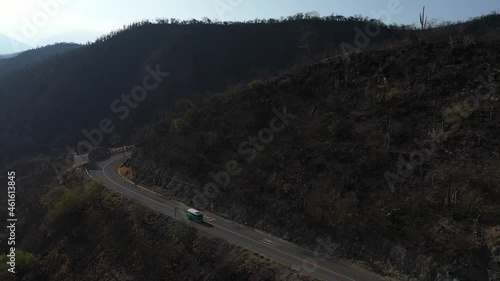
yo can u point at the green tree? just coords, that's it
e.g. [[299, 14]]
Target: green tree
[[65, 205], [256, 85], [25, 263], [93, 193]]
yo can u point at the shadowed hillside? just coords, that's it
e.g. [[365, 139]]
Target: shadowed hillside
[[74, 91], [28, 58], [392, 153]]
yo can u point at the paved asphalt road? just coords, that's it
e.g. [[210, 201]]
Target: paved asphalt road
[[106, 170]]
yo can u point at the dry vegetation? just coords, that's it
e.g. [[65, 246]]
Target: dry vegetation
[[87, 233], [360, 117]]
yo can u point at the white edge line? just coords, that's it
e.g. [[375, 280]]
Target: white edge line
[[104, 172], [261, 242]]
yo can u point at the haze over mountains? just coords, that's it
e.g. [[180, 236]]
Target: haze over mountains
[[74, 36], [9, 45]]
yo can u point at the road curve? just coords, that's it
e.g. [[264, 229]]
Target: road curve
[[106, 171]]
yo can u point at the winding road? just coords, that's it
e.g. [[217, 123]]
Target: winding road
[[105, 170]]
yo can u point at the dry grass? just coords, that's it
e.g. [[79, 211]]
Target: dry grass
[[127, 173]]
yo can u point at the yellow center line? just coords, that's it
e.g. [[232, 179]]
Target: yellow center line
[[235, 233], [128, 189], [290, 255]]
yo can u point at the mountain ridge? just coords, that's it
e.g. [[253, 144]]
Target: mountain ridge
[[34, 56]]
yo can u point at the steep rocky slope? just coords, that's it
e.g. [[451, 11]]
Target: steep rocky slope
[[393, 154]]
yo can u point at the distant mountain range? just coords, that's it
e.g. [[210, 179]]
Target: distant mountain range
[[14, 62], [76, 36], [8, 56], [10, 46]]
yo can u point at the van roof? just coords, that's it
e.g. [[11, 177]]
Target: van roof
[[194, 211]]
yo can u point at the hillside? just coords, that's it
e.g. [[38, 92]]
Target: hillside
[[31, 57], [74, 91], [386, 153], [392, 154]]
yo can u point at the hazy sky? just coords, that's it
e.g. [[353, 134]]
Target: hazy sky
[[38, 22]]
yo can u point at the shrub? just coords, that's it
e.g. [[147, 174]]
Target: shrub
[[93, 193], [285, 83], [235, 90], [126, 172], [334, 128], [456, 112], [188, 237], [469, 205], [69, 203], [392, 94], [256, 85], [25, 263], [178, 125]]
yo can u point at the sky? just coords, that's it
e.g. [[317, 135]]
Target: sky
[[41, 22]]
